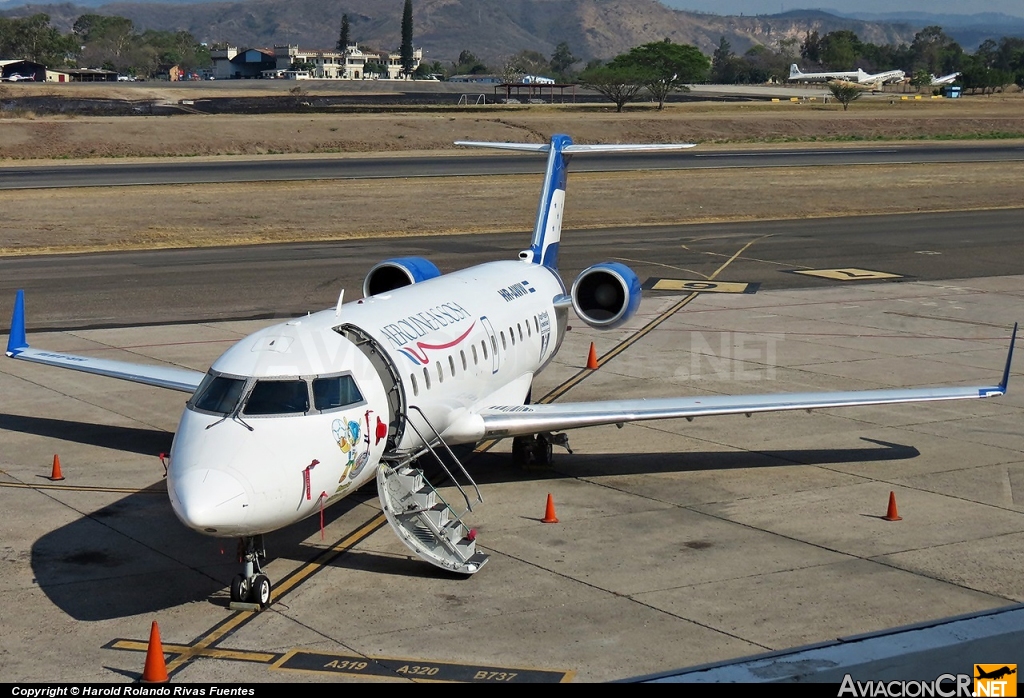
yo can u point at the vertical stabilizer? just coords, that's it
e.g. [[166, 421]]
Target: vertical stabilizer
[[547, 231]]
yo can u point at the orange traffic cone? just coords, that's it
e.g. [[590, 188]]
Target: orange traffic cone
[[892, 514], [156, 668], [549, 513], [56, 474], [592, 359]]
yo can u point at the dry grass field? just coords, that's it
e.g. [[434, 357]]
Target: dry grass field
[[224, 214]]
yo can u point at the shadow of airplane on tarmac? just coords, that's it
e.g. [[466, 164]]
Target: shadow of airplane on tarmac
[[134, 557]]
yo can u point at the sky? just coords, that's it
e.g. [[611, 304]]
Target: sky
[[762, 7]]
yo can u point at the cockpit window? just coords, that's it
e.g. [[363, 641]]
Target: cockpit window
[[335, 391], [218, 394], [277, 397]]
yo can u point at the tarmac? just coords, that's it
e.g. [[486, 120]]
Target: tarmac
[[678, 543]]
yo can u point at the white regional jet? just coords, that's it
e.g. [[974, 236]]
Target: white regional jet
[[300, 414]]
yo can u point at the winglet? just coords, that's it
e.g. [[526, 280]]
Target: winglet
[[1009, 358], [17, 342]]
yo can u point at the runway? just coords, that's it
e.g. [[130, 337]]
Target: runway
[[678, 543], [211, 284], [287, 168]]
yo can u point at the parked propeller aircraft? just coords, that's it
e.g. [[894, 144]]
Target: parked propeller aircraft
[[298, 415], [858, 76]]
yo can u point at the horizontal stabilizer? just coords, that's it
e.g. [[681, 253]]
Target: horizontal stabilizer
[[625, 148], [529, 147], [577, 148]]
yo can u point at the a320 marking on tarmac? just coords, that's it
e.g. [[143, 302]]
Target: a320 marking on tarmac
[[302, 660], [849, 274], [353, 665], [699, 286]]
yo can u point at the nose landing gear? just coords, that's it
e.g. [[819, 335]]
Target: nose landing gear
[[251, 586]]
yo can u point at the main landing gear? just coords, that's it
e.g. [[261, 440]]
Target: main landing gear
[[536, 450], [252, 586]]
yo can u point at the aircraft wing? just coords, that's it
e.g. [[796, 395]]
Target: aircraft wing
[[520, 420], [160, 376]]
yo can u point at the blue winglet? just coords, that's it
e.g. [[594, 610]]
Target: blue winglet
[[1009, 358], [17, 342]]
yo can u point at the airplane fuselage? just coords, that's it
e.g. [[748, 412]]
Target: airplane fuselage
[[430, 352]]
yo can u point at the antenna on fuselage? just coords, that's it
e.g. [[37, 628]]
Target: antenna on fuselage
[[337, 308]]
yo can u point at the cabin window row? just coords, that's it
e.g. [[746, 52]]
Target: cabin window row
[[476, 356]]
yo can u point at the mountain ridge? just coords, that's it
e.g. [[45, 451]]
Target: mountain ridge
[[491, 29]]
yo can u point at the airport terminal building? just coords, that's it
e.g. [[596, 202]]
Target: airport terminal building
[[351, 64]]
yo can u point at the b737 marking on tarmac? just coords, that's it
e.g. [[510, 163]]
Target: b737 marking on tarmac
[[417, 670]]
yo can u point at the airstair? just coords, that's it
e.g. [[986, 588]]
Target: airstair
[[420, 516]]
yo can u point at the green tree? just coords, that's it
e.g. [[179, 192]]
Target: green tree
[[762, 65], [468, 64], [437, 68], [619, 83], [527, 63], [562, 60], [665, 67], [934, 51], [375, 67], [921, 78], [345, 35], [844, 93], [32, 38], [721, 61], [840, 49], [406, 49], [810, 49], [112, 41]]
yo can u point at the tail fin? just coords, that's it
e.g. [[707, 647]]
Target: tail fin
[[547, 231], [794, 72]]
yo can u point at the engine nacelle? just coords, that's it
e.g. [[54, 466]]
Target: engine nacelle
[[606, 295], [395, 273]]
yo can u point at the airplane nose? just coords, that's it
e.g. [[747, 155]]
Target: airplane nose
[[210, 499]]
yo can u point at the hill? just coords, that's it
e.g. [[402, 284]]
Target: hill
[[967, 30], [491, 29]]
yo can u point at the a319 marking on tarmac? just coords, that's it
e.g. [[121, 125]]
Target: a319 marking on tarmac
[[304, 661]]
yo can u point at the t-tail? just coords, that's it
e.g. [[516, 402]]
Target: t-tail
[[547, 231]]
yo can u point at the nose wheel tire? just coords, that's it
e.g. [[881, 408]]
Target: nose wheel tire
[[239, 588], [261, 590]]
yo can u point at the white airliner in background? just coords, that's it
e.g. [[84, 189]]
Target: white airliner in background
[[944, 80], [859, 76], [300, 414]]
